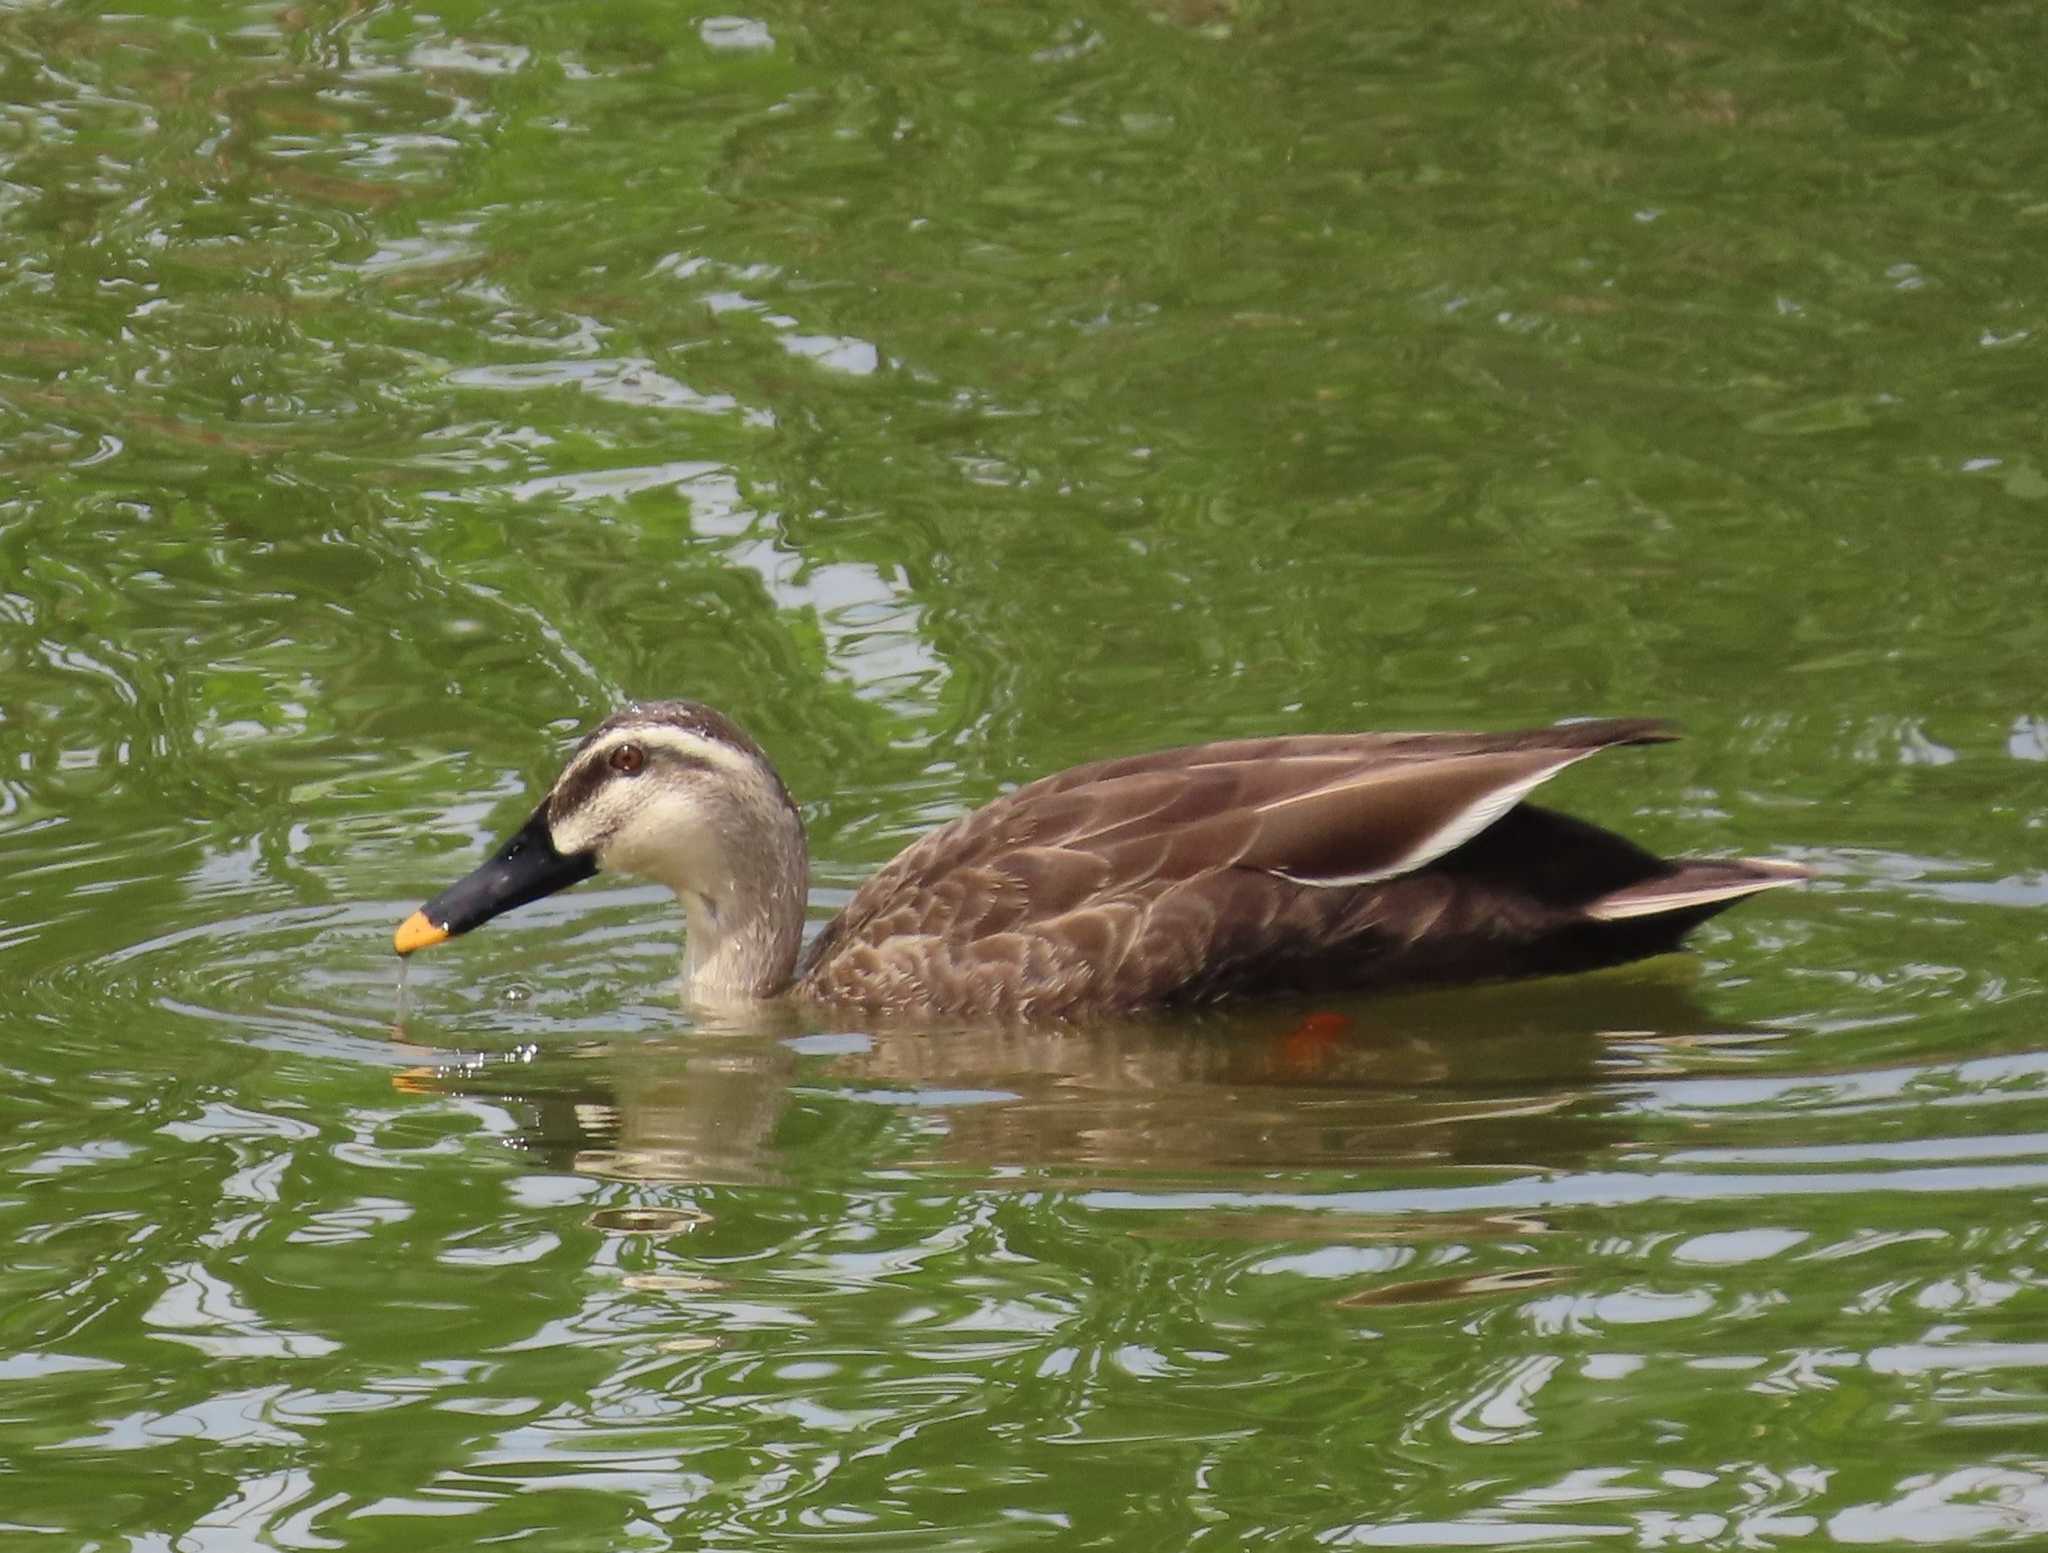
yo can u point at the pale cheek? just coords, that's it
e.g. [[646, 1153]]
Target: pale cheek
[[597, 827], [580, 834], [667, 840]]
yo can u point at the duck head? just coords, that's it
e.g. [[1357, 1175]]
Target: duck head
[[671, 791]]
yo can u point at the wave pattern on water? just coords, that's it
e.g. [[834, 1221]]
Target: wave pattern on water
[[956, 394]]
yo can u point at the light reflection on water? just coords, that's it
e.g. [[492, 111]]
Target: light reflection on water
[[545, 1220], [579, 1218], [957, 395], [618, 1185]]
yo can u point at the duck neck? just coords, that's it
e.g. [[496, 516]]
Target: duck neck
[[745, 923]]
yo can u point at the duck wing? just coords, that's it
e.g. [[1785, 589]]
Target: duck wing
[[1249, 865]]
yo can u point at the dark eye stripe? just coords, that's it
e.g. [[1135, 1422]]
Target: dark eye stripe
[[578, 787]]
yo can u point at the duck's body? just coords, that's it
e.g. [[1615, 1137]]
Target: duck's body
[[1316, 863]]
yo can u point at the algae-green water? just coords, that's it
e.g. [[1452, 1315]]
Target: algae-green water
[[952, 394]]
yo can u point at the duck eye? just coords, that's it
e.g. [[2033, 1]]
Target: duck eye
[[627, 759]]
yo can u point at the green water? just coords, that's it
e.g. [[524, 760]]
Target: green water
[[951, 394]]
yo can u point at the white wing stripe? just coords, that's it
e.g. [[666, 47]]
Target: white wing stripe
[[1680, 900], [1459, 829]]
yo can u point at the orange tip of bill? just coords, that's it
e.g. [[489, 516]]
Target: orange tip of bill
[[416, 932]]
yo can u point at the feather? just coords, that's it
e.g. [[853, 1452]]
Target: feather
[[1322, 862]]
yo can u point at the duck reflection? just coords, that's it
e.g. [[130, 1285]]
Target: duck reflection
[[1526, 1075]]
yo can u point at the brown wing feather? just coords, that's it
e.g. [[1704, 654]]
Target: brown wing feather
[[1378, 823], [1184, 873]]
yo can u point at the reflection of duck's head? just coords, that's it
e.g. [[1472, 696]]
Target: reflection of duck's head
[[1310, 864]]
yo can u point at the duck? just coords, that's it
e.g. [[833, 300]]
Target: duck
[[1301, 865]]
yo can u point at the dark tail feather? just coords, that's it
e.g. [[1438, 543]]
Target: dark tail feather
[[1614, 901]]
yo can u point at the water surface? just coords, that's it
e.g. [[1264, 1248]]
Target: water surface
[[952, 396]]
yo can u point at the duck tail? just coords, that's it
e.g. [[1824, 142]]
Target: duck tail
[[1694, 889]]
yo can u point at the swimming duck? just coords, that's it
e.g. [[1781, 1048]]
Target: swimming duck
[[1312, 863]]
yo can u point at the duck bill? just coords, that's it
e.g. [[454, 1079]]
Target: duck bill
[[524, 869]]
